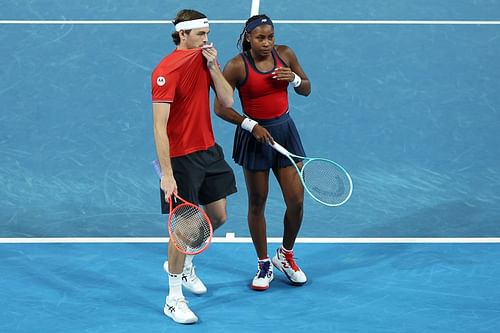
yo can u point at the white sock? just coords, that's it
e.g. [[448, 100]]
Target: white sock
[[174, 286], [188, 262]]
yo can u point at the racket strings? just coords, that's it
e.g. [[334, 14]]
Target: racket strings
[[326, 181], [190, 228]]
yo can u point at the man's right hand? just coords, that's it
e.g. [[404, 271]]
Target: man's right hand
[[169, 186]]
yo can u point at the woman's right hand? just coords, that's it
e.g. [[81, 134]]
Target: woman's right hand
[[262, 135]]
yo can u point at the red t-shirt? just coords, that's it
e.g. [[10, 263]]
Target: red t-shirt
[[263, 97], [183, 80]]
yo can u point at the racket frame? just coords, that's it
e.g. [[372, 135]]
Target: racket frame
[[171, 229], [279, 148], [157, 168]]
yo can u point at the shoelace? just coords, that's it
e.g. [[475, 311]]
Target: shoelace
[[291, 261], [182, 303], [190, 274], [264, 268]]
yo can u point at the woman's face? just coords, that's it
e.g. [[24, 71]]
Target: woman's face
[[261, 40]]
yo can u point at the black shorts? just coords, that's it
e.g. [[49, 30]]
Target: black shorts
[[202, 177]]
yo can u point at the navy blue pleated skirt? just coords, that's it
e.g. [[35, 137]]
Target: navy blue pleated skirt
[[253, 155]]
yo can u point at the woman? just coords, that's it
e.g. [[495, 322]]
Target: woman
[[262, 74]]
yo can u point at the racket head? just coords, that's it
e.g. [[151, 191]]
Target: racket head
[[326, 181], [189, 227]]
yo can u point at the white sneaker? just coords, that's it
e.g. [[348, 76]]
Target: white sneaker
[[189, 280], [178, 310], [286, 263], [264, 275]]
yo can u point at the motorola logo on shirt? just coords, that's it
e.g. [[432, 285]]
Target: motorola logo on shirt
[[160, 81]]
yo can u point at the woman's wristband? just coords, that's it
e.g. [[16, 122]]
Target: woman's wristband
[[296, 80], [248, 124]]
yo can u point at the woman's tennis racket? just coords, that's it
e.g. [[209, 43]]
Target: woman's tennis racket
[[188, 225], [326, 181]]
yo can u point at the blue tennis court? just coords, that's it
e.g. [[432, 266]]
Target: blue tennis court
[[404, 96], [353, 288]]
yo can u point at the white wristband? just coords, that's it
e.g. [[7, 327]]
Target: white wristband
[[248, 124], [296, 80]]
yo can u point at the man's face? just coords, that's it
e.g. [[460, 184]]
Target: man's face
[[196, 38]]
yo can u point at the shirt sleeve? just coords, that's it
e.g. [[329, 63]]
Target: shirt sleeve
[[163, 86]]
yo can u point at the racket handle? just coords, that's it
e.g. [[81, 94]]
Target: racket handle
[[280, 148], [157, 167]]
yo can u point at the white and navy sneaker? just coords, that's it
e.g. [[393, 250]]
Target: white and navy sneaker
[[190, 280], [285, 262], [178, 310], [264, 275]]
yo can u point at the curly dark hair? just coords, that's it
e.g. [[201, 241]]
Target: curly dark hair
[[242, 43]]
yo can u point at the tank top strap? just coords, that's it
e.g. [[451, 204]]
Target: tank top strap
[[248, 65], [277, 58], [246, 57]]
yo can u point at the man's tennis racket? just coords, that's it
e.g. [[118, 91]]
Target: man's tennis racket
[[188, 225], [326, 181]]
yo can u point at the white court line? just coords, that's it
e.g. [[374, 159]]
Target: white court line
[[255, 7], [111, 22], [384, 22], [359, 22], [231, 239]]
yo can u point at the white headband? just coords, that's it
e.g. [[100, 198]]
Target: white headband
[[193, 24]]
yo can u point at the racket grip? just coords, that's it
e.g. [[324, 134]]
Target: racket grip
[[157, 167], [280, 148]]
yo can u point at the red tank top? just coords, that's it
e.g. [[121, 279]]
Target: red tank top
[[263, 97]]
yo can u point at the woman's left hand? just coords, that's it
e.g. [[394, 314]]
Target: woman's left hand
[[283, 73]]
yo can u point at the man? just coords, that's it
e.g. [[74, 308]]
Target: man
[[192, 164]]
